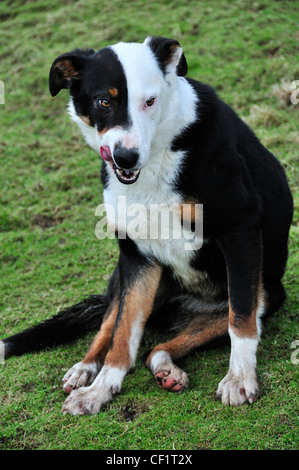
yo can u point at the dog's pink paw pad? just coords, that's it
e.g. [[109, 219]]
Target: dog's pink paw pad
[[67, 389], [172, 382]]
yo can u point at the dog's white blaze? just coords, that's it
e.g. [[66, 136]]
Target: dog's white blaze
[[154, 127], [144, 80]]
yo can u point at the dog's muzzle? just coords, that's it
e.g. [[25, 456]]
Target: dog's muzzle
[[125, 158], [123, 162]]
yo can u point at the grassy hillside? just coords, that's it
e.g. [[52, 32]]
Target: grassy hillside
[[50, 187]]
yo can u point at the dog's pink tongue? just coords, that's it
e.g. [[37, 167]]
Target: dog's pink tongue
[[105, 153]]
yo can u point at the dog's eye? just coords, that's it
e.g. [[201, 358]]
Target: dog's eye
[[150, 101], [105, 104]]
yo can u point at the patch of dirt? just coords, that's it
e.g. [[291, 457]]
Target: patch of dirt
[[46, 221], [132, 410], [28, 387]]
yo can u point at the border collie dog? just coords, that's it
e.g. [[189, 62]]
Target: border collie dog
[[169, 141]]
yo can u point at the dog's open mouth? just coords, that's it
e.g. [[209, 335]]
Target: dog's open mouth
[[124, 176]]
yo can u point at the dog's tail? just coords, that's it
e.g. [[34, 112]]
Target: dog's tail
[[66, 326]]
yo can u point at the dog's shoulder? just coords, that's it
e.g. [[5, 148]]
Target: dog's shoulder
[[226, 163]]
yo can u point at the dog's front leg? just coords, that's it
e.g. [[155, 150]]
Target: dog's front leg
[[139, 282], [243, 253]]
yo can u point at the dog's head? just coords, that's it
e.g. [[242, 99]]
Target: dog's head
[[120, 95]]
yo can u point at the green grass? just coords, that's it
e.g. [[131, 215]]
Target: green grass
[[50, 257]]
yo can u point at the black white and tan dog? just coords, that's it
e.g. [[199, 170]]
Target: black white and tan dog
[[166, 139]]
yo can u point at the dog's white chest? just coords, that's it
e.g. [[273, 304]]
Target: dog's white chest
[[150, 213]]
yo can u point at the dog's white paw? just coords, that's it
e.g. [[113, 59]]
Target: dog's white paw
[[80, 375], [235, 391], [90, 400], [86, 401]]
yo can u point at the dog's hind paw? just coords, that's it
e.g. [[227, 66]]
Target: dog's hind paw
[[167, 375], [80, 375], [172, 379]]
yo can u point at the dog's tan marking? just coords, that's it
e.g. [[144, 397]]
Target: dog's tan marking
[[68, 69], [85, 119], [136, 310], [103, 131], [173, 49], [113, 92], [246, 327], [191, 211], [101, 342]]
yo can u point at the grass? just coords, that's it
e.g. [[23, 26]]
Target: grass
[[50, 257]]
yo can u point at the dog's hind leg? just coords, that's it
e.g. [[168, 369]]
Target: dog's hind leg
[[200, 331]]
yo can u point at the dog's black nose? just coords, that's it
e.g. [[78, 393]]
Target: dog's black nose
[[126, 158]]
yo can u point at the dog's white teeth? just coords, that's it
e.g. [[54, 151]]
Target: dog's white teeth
[[126, 173]]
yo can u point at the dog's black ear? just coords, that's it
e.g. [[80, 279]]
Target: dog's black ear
[[67, 69], [169, 54]]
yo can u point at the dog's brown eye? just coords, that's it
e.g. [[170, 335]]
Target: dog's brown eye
[[104, 104], [150, 101]]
